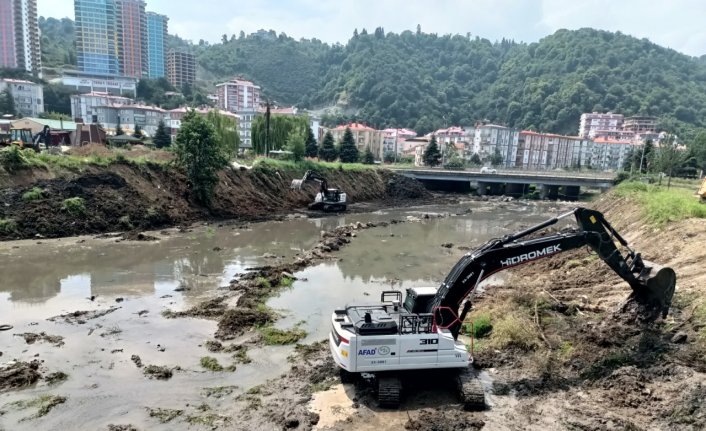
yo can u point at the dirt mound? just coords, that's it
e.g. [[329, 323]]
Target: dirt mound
[[238, 320], [15, 375], [126, 196], [436, 420], [401, 187]]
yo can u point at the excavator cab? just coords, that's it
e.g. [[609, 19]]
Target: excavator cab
[[327, 199]]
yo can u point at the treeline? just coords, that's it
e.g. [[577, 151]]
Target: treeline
[[426, 81]]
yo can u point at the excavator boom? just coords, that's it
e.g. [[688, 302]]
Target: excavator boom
[[652, 285]]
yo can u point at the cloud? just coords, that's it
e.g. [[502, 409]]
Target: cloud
[[677, 24]]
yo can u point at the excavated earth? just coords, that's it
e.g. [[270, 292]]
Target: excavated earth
[[125, 196]]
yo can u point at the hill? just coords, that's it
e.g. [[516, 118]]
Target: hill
[[425, 81]]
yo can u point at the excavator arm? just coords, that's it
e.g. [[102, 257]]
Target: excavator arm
[[653, 286], [309, 176]]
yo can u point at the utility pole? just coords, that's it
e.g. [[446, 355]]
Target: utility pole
[[267, 129]]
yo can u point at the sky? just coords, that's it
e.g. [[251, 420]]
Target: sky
[[676, 24]]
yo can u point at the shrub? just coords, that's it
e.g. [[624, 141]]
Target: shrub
[[211, 363], [74, 206], [32, 195], [13, 159], [125, 222], [7, 226]]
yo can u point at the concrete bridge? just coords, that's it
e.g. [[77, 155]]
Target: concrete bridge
[[551, 184]]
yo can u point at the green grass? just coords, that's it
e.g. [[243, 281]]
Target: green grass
[[125, 222], [276, 337], [74, 206], [211, 363], [480, 326], [662, 206], [286, 281], [262, 282], [7, 226], [32, 195], [43, 403], [269, 164], [164, 415]]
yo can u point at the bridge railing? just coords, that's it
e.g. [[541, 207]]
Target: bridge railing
[[517, 172]]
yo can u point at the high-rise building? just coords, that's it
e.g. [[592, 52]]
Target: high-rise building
[[156, 45], [131, 28], [97, 37], [238, 95], [19, 36], [181, 69]]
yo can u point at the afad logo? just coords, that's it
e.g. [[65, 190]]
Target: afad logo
[[382, 350]]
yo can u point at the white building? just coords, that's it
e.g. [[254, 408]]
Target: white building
[[28, 96], [238, 95], [84, 106], [393, 140], [607, 154], [539, 151], [594, 122], [490, 137], [121, 86]]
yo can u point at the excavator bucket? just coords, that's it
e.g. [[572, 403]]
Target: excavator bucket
[[654, 292], [296, 184]]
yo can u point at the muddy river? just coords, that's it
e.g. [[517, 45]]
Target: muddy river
[[45, 278]]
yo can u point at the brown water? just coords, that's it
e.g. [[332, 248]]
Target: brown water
[[50, 277]]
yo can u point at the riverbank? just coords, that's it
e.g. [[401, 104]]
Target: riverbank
[[126, 195]]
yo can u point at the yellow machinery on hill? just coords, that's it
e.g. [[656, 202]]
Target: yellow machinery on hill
[[20, 137], [702, 191]]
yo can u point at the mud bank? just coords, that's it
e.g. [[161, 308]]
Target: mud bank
[[126, 196]]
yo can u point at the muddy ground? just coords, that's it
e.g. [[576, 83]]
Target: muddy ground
[[557, 355], [125, 196]]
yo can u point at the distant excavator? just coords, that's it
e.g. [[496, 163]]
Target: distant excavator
[[327, 199]]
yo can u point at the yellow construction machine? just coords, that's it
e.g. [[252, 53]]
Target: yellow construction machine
[[20, 137], [702, 191]]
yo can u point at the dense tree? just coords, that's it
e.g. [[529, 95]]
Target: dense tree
[[161, 137], [296, 143], [226, 133], [57, 98], [7, 103], [49, 115], [669, 157], [348, 152], [280, 126], [199, 153], [432, 155], [475, 160], [497, 158], [137, 133], [312, 148], [328, 152], [368, 157], [422, 80]]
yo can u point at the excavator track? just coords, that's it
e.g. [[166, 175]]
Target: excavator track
[[470, 390], [389, 391]]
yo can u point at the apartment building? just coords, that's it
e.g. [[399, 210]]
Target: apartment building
[[238, 95], [364, 137], [85, 106], [157, 45], [129, 116], [541, 151], [595, 121], [131, 31], [19, 36], [393, 140], [96, 37], [489, 138], [609, 154], [181, 68], [640, 124], [28, 96]]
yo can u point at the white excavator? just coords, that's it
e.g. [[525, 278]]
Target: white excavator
[[327, 199], [382, 340]]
